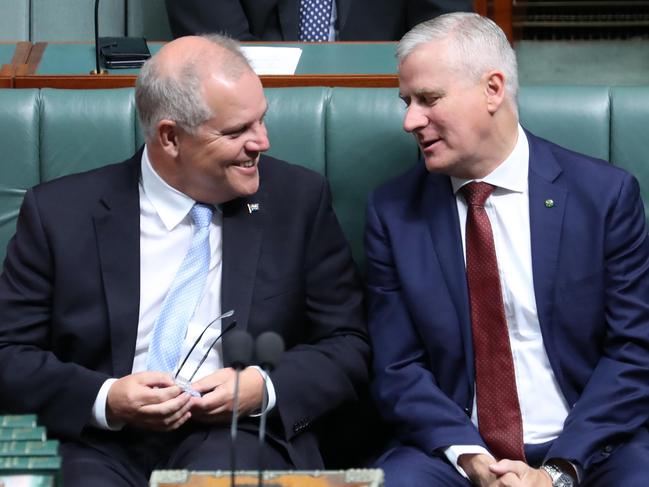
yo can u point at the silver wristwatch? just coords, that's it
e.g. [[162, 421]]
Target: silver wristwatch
[[558, 476]]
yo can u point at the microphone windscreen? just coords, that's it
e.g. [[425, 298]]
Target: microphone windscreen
[[239, 347], [269, 348]]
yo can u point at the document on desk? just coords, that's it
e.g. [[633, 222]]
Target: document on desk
[[273, 60]]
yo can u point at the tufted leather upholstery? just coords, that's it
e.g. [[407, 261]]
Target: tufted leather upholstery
[[14, 20], [352, 135], [72, 20]]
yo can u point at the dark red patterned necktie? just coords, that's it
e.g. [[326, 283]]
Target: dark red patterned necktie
[[499, 413]]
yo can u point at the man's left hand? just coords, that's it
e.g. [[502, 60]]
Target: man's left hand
[[527, 476], [217, 389]]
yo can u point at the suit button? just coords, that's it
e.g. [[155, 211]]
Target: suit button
[[467, 411], [608, 449]]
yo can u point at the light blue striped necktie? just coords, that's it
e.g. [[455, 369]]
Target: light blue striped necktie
[[182, 299]]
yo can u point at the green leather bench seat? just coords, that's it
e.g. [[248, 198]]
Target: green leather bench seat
[[72, 20], [629, 133], [352, 135], [20, 159], [14, 20]]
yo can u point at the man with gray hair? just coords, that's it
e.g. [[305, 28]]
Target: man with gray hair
[[508, 287], [114, 276]]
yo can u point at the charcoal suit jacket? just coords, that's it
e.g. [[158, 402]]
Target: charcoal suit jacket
[[69, 297]]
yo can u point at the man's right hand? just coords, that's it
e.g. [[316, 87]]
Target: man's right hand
[[148, 400], [476, 467]]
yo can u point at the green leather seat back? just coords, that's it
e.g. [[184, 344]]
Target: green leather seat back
[[630, 133], [19, 163], [139, 135], [84, 129], [14, 20], [575, 117], [296, 125], [354, 136], [148, 18], [73, 20], [366, 145]]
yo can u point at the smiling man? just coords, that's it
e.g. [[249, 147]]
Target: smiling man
[[113, 275], [508, 287]]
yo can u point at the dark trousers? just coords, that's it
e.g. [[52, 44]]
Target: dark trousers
[[127, 458], [407, 466]]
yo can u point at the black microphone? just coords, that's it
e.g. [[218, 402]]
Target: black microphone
[[227, 329], [239, 347], [269, 348], [119, 52]]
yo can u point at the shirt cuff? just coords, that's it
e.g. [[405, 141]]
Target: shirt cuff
[[98, 418], [270, 392], [578, 472], [453, 452]]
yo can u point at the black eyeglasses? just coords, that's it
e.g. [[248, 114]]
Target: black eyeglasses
[[185, 383]]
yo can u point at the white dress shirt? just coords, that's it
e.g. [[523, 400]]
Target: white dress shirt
[[543, 406], [166, 232]]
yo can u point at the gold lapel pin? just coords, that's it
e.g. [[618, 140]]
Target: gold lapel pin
[[549, 203]]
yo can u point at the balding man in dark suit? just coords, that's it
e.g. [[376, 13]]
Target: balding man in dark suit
[[101, 260]]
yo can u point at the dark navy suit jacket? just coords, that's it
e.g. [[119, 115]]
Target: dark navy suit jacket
[[69, 297], [590, 260], [278, 20]]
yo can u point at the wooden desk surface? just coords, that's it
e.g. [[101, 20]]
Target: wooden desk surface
[[352, 64], [12, 55], [346, 478]]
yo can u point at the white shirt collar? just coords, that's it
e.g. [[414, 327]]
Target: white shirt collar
[[171, 205], [511, 174]]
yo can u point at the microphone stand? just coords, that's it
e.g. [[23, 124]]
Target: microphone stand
[[269, 348], [97, 70], [240, 349], [120, 52], [262, 434], [233, 428]]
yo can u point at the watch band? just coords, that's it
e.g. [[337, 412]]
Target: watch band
[[552, 471], [558, 476]]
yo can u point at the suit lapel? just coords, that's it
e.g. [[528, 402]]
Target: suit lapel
[[242, 234], [440, 210], [117, 228], [547, 210]]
